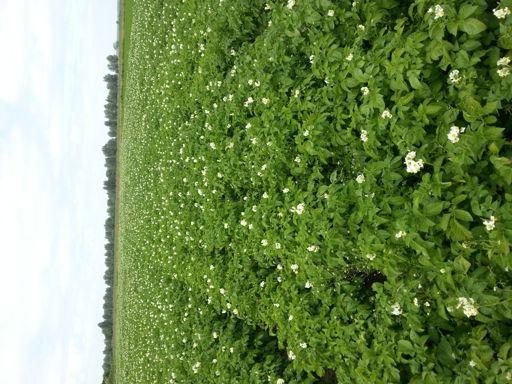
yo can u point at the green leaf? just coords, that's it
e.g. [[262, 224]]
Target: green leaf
[[466, 10], [452, 27], [433, 209], [444, 353], [433, 108], [443, 224], [405, 346], [412, 76], [458, 199], [472, 26], [505, 40], [458, 231], [463, 215], [461, 265]]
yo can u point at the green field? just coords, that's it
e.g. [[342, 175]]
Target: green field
[[314, 191]]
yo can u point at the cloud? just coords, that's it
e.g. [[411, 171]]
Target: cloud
[[52, 203], [13, 45]]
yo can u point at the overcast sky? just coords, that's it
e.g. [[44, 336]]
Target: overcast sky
[[52, 205]]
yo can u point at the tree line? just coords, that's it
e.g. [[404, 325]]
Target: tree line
[[110, 150]]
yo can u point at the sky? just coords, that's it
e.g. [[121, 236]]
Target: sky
[[52, 205]]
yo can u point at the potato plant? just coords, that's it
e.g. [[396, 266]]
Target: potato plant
[[316, 191]]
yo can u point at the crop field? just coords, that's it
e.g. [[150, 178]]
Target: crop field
[[315, 191]]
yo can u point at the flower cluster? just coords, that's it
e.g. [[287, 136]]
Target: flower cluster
[[299, 209], [386, 114], [412, 166], [396, 309], [437, 10], [504, 69], [454, 76], [501, 13], [364, 136], [454, 133], [490, 224], [468, 306]]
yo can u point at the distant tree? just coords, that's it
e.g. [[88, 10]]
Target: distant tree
[[110, 152]]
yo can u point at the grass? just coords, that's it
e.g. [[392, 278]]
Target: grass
[[126, 7]]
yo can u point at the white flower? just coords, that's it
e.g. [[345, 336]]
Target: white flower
[[230, 145], [370, 256], [313, 248], [361, 27], [297, 159], [306, 133], [454, 76], [276, 305], [286, 190], [279, 267], [415, 301], [386, 114], [365, 91], [396, 310], [262, 284], [472, 363], [277, 245], [290, 4], [439, 12], [299, 209], [454, 133], [501, 13], [243, 222], [312, 59], [427, 304], [442, 270], [264, 242], [360, 178], [290, 318], [295, 268], [265, 195], [308, 285], [412, 165], [254, 141], [349, 57], [326, 195], [254, 208], [400, 234], [235, 312], [280, 381], [279, 279], [213, 146], [249, 100], [196, 366], [503, 61], [364, 136], [330, 13], [215, 335], [303, 345], [291, 355], [503, 72], [265, 101], [467, 305], [490, 224]]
